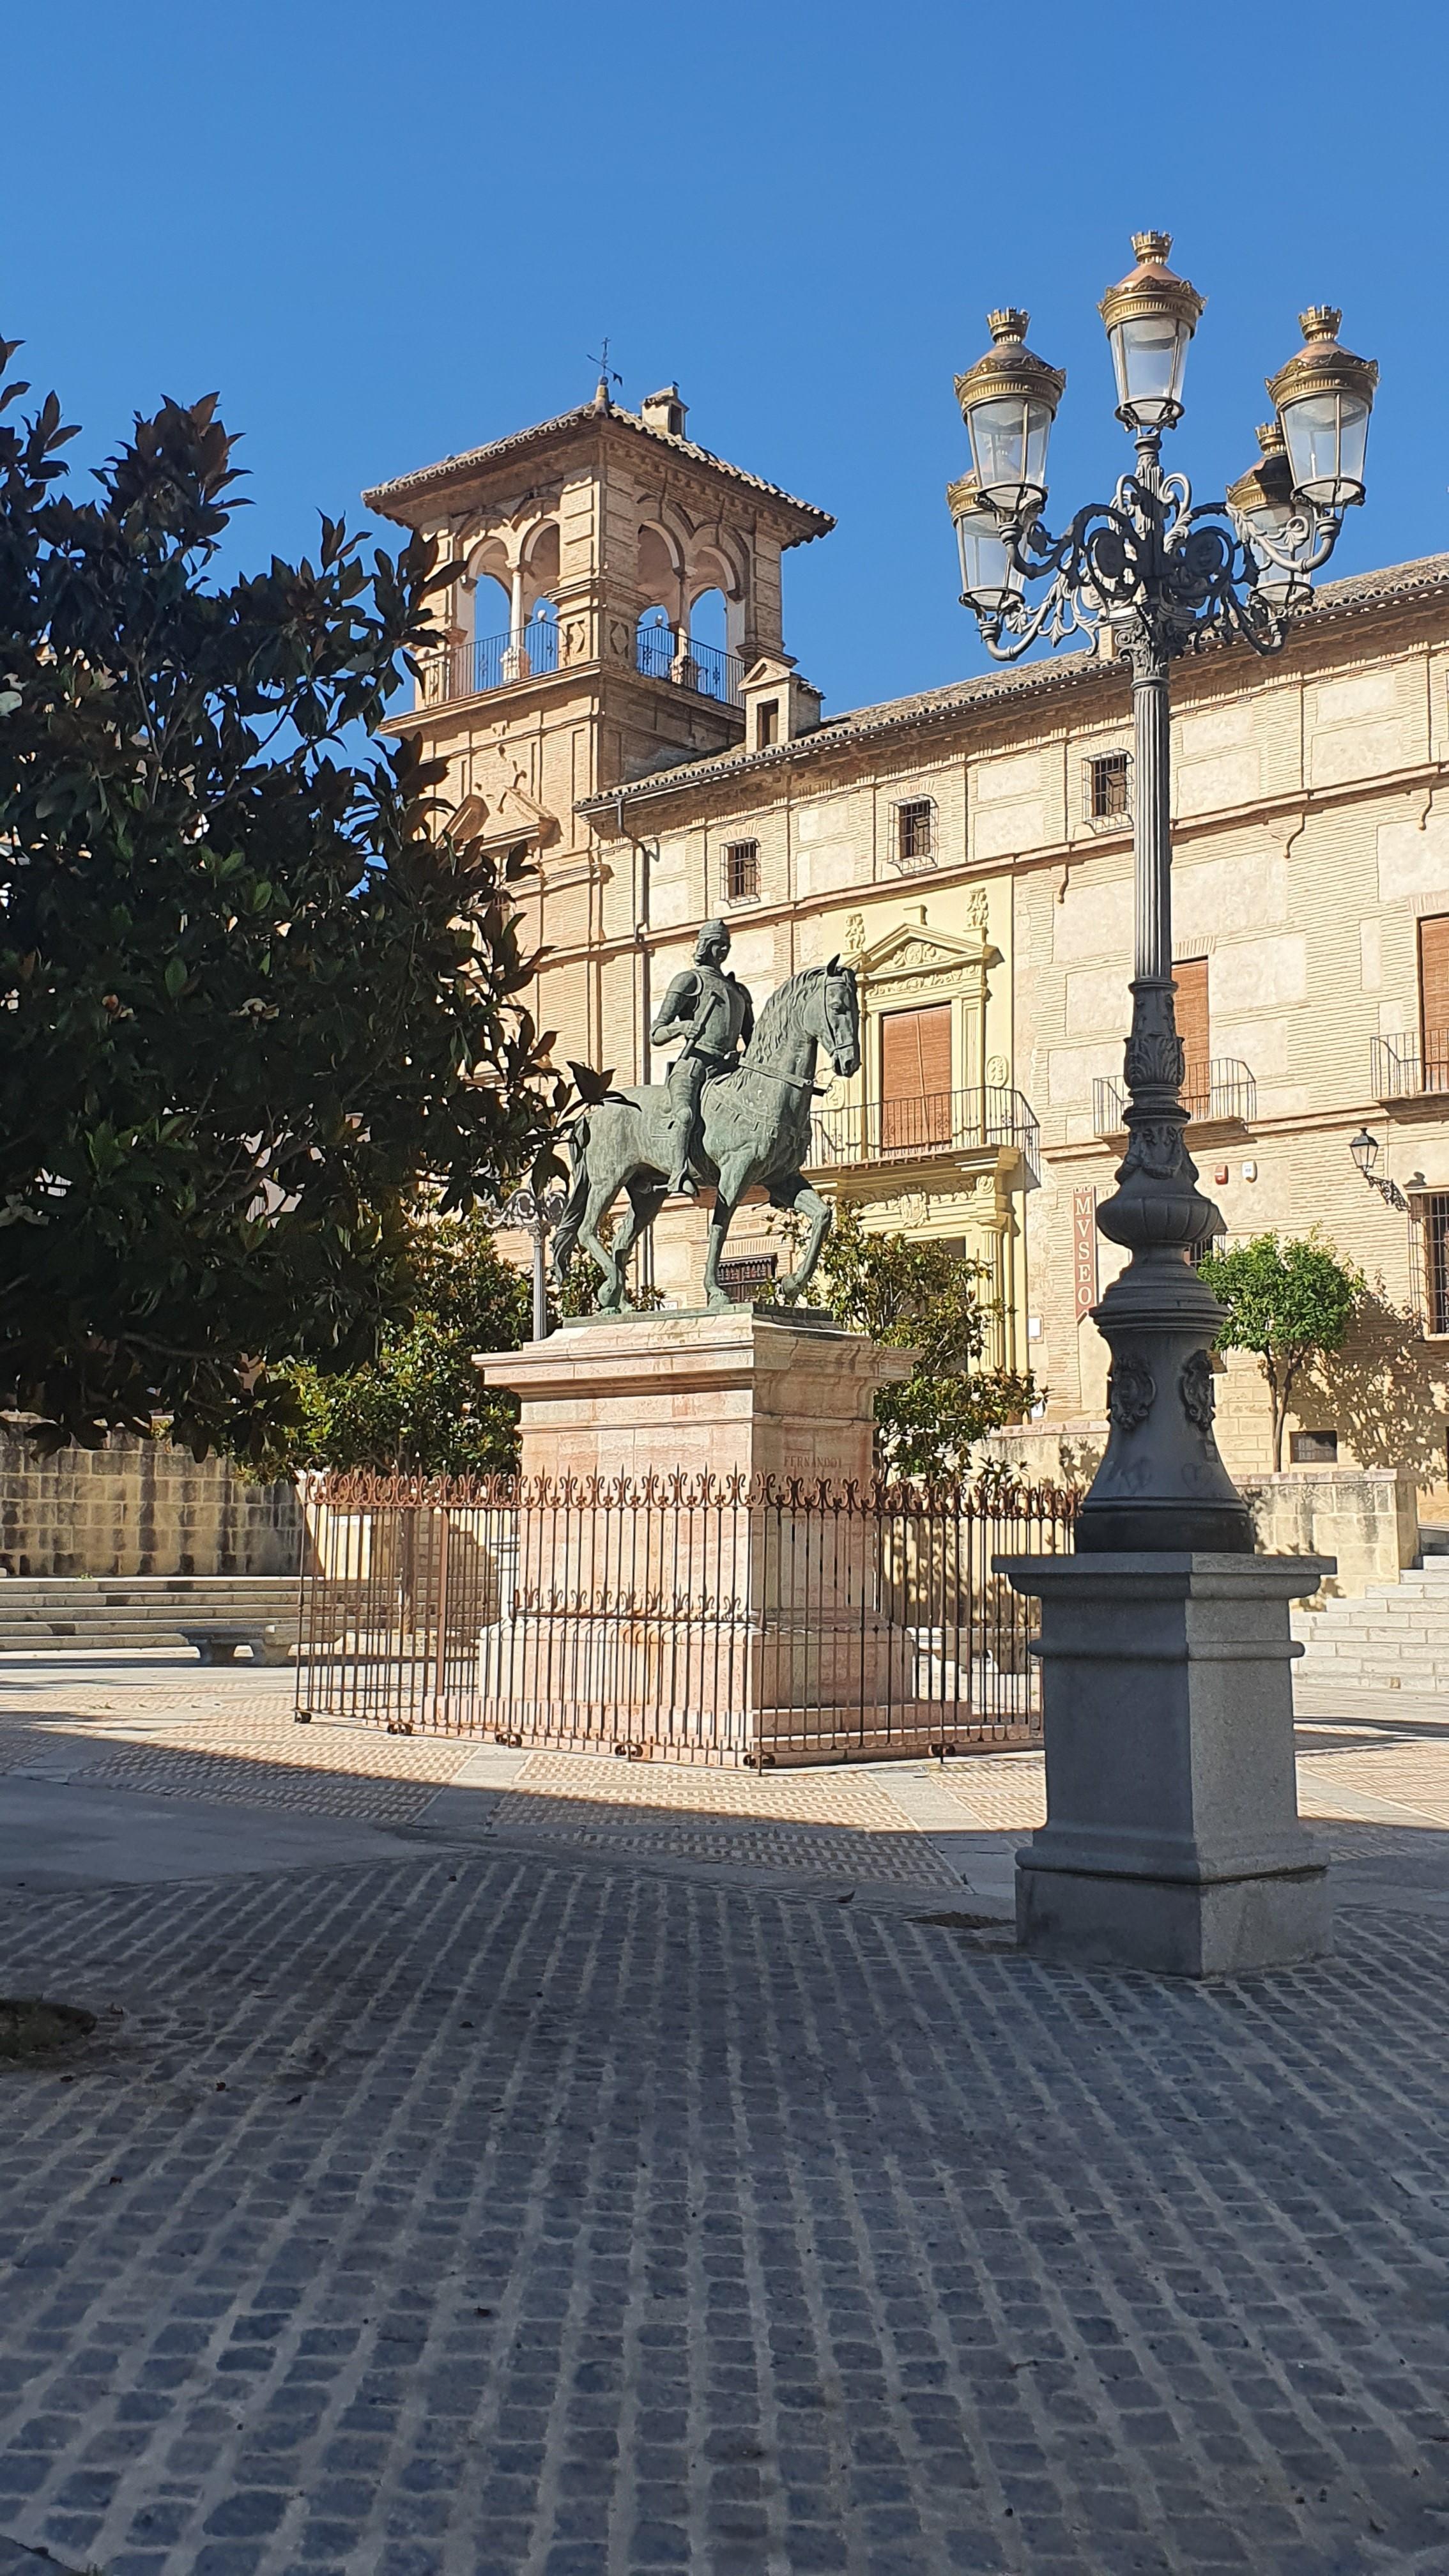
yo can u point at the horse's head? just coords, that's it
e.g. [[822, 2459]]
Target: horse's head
[[839, 1030]]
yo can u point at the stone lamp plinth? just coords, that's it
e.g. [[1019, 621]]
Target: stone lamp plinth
[[1172, 1838]]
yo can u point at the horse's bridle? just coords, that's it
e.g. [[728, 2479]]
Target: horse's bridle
[[802, 1081]]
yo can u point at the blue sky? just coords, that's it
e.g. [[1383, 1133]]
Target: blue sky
[[388, 232]]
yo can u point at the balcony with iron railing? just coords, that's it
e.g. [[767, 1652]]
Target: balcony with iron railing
[[1411, 1067], [665, 653], [531, 652], [491, 662], [935, 1125], [1220, 1094]]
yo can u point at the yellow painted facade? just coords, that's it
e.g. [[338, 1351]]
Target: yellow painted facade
[[947, 844]]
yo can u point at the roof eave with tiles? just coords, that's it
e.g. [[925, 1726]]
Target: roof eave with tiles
[[1397, 587], [404, 498]]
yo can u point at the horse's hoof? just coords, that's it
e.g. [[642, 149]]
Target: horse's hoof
[[718, 1302]]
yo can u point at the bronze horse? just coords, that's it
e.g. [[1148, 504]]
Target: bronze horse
[[754, 1133]]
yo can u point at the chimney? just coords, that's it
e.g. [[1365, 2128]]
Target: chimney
[[665, 411]]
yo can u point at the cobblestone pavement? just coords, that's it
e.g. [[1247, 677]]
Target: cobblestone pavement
[[532, 2207]]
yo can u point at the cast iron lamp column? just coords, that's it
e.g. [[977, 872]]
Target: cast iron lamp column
[[1162, 575]]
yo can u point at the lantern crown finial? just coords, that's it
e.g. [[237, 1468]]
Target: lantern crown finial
[[1009, 322], [1321, 322], [1152, 250]]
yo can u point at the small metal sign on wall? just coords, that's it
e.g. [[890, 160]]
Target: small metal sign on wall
[[1084, 1251]]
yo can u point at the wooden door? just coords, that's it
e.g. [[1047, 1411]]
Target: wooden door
[[1434, 1001], [1190, 984], [915, 1079]]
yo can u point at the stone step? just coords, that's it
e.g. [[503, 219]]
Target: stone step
[[91, 1614]]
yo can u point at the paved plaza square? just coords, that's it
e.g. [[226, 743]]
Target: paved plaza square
[[501, 2165]]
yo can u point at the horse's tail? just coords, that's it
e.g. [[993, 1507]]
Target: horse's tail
[[566, 1232]]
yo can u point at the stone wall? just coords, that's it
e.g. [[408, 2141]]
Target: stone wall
[[1366, 1517], [140, 1507]]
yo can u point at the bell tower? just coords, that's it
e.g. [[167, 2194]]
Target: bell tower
[[591, 549]]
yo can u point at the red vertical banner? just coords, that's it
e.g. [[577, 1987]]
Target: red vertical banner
[[1084, 1251]]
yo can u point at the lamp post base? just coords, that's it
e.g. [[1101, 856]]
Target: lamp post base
[[1172, 1839], [1138, 1529]]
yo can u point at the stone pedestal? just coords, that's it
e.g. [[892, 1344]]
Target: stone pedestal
[[666, 1598], [741, 1392], [1172, 1838]]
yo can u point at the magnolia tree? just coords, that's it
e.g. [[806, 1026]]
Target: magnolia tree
[[255, 992], [1290, 1301], [918, 1296]]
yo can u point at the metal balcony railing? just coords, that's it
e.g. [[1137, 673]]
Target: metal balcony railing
[[907, 1131], [662, 653], [491, 662], [1410, 1067], [1224, 1089]]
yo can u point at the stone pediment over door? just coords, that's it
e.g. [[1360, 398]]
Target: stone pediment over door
[[917, 959], [917, 966]]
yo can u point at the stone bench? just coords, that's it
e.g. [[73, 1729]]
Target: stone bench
[[220, 1641]]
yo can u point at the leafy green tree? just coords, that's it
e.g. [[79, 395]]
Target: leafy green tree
[[1290, 1301], [253, 990], [918, 1296], [420, 1406]]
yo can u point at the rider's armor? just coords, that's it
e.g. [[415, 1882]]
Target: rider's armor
[[711, 1011]]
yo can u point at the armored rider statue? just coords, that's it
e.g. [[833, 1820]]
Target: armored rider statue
[[711, 1010]]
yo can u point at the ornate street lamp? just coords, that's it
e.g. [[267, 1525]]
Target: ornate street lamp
[[1365, 1151], [534, 1213], [1163, 574]]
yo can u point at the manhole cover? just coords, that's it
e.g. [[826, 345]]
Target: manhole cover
[[31, 2027]]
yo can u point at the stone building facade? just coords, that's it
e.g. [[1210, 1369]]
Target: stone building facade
[[970, 850]]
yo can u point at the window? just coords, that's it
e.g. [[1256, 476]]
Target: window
[[1435, 1206], [1190, 1006], [1107, 787], [767, 723], [915, 833], [740, 873], [915, 1079], [1434, 1001], [1312, 1448], [752, 1266]]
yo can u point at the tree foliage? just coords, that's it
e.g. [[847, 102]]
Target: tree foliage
[[253, 989], [920, 1296], [420, 1405], [1290, 1301]]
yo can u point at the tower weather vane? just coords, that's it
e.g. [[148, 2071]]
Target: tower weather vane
[[607, 375]]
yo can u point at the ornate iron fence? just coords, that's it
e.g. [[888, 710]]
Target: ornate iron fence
[[693, 1620]]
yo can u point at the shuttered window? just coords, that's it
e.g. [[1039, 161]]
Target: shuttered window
[[1190, 980], [1434, 1000], [915, 1079]]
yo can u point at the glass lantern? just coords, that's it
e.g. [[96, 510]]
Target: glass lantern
[[1323, 399], [1263, 505], [1008, 402], [1150, 316], [990, 581]]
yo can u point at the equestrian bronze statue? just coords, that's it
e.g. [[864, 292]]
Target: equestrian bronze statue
[[748, 1118]]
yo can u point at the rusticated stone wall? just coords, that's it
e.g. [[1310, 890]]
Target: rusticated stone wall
[[140, 1507]]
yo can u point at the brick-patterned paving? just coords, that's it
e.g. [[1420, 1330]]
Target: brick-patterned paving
[[513, 2215]]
